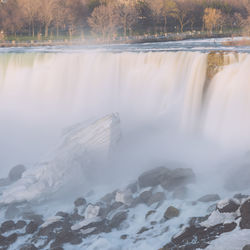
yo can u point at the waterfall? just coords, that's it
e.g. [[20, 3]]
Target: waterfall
[[42, 93]]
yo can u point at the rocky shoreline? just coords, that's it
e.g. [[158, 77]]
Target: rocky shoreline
[[154, 190]]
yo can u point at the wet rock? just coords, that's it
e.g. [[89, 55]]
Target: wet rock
[[195, 221], [245, 215], [228, 206], [8, 226], [117, 219], [133, 187], [246, 247], [177, 178], [209, 198], [66, 237], [31, 227], [28, 247], [144, 229], [80, 202], [145, 196], [124, 237], [12, 212], [153, 177], [156, 197], [171, 212], [20, 224], [150, 213], [11, 238], [16, 173], [62, 214], [198, 237], [180, 193]]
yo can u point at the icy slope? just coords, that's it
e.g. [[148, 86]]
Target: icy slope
[[83, 145]]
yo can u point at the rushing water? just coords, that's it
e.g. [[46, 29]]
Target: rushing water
[[42, 92]]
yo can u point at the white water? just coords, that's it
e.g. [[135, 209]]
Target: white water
[[40, 94]]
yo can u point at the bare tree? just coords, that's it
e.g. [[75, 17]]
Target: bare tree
[[211, 18]]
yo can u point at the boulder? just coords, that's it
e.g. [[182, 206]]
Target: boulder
[[80, 202], [117, 219], [66, 237], [31, 227], [228, 206], [178, 178], [245, 215], [209, 198], [91, 211], [37, 218], [16, 173], [153, 177], [246, 247], [8, 226], [171, 212], [20, 224], [145, 196], [124, 197]]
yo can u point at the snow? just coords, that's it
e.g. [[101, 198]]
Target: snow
[[51, 220], [81, 146]]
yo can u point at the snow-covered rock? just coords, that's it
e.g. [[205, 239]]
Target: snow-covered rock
[[83, 146]]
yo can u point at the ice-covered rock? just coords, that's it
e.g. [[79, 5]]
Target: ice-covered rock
[[124, 197], [91, 211], [83, 146], [85, 223]]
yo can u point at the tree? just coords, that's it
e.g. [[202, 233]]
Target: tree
[[29, 9], [104, 19], [211, 18]]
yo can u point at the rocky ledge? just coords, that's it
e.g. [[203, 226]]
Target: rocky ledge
[[147, 208]]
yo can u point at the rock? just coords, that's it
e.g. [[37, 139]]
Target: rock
[[80, 202], [117, 219], [91, 211], [171, 212], [124, 237], [31, 227], [28, 247], [144, 229], [12, 212], [62, 214], [88, 231], [116, 205], [212, 208], [66, 237], [8, 226], [195, 221], [11, 238], [209, 198], [20, 224], [149, 213], [156, 197], [153, 177], [246, 247], [145, 196], [179, 177], [76, 217], [16, 173], [133, 187], [92, 222], [228, 206], [245, 215], [180, 193], [198, 237]]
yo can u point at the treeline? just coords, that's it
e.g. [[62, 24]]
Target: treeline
[[110, 18]]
